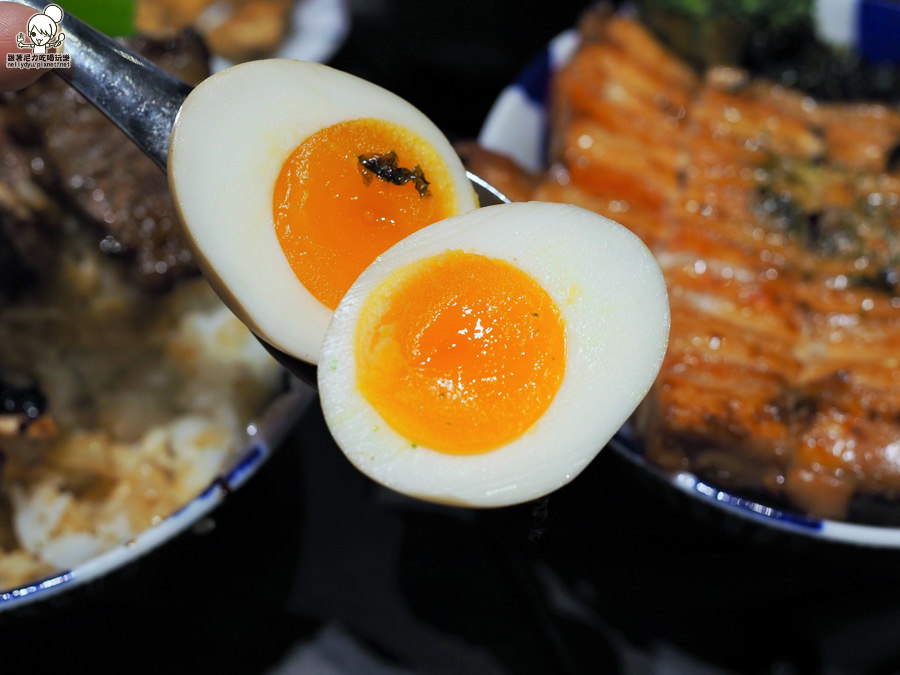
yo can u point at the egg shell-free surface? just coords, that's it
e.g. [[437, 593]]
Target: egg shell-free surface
[[613, 300], [232, 136]]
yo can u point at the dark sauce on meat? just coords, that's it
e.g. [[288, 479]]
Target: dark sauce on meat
[[98, 174], [14, 273], [21, 398]]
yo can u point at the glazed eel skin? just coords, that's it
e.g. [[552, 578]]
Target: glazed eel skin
[[776, 220]]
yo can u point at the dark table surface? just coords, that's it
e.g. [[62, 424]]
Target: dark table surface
[[311, 568]]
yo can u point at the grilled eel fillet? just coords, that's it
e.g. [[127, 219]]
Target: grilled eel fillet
[[776, 220]]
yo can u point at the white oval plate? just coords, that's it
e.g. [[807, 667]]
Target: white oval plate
[[516, 126]]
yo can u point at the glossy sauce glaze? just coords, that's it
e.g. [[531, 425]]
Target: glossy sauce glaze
[[775, 219]]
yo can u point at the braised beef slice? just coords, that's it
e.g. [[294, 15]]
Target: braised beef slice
[[103, 175], [28, 218]]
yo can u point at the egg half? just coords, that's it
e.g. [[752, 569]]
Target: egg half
[[486, 359], [290, 177]]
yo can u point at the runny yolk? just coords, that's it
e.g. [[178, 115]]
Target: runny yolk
[[460, 353], [333, 217]]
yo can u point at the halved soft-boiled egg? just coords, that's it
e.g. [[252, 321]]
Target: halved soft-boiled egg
[[291, 177], [486, 359]]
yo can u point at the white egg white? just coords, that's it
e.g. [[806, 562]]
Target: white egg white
[[614, 304], [231, 138]]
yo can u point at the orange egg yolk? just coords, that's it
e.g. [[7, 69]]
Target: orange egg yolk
[[333, 216], [460, 353]]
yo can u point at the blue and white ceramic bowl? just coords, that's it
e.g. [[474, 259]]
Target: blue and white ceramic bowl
[[319, 29], [517, 127]]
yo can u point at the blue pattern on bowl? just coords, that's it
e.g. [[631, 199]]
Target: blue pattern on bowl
[[878, 30]]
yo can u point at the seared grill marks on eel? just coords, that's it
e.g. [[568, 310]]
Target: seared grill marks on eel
[[776, 219]]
